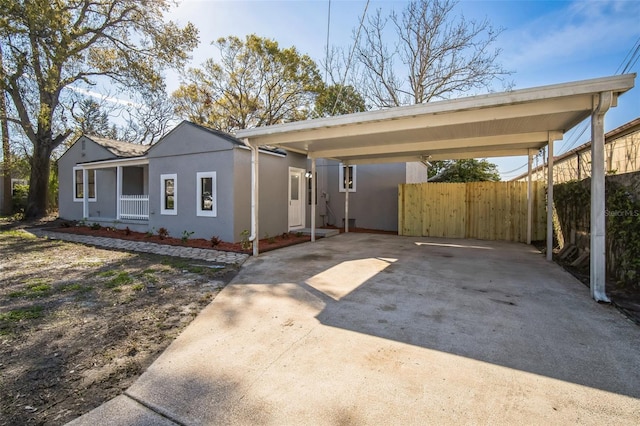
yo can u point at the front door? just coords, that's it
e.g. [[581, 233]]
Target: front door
[[296, 198]]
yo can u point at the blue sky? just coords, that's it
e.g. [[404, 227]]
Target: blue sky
[[544, 42]]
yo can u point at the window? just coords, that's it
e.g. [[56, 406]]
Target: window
[[347, 173], [169, 194], [78, 194], [206, 194], [15, 183]]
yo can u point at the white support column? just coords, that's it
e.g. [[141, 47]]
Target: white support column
[[118, 192], [346, 177], [85, 194], [597, 270], [550, 199], [529, 197], [313, 199], [255, 199]]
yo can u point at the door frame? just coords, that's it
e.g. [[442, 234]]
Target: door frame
[[302, 196]]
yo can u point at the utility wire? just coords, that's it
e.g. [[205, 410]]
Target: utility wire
[[326, 57], [633, 52]]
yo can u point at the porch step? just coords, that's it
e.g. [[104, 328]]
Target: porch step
[[320, 233]]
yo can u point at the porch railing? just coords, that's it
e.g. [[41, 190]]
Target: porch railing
[[134, 207]]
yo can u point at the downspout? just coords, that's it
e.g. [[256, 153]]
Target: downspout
[[255, 183]]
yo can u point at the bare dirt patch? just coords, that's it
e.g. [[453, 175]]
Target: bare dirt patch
[[79, 324]]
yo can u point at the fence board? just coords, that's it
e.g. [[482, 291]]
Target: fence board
[[483, 210]]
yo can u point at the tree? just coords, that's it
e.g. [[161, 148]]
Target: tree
[[255, 83], [337, 100], [463, 171], [149, 119], [55, 47], [7, 201], [441, 55], [93, 120]]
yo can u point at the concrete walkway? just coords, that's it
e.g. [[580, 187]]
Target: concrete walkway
[[207, 255], [379, 329]]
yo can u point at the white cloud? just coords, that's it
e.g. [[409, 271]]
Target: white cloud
[[582, 31]]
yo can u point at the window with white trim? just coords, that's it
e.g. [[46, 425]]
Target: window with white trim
[[169, 194], [347, 174], [78, 184], [206, 194]]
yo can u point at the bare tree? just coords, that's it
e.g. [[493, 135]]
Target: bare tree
[[436, 54], [149, 119]]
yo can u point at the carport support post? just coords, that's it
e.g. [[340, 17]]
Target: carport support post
[[313, 199], [346, 177], [597, 276], [550, 199], [529, 197]]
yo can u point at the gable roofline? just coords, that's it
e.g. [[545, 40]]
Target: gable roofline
[[119, 148], [219, 133], [610, 136]]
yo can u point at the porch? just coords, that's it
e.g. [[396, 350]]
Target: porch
[[123, 198]]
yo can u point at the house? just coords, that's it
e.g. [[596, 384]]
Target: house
[[622, 155], [198, 180]]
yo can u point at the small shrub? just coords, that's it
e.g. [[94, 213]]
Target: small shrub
[[270, 239], [95, 226], [127, 231], [244, 240], [163, 233], [215, 241], [185, 235], [285, 236]]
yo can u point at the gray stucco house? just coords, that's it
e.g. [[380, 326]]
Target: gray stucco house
[[198, 180]]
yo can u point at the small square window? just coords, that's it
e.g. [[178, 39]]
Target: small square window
[[206, 194]]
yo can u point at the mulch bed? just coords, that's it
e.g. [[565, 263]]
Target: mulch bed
[[266, 244]]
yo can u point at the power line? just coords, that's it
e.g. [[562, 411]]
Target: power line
[[326, 57], [633, 53]]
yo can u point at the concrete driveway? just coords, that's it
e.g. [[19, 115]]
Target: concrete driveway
[[379, 329]]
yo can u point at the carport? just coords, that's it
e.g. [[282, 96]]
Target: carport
[[512, 123]]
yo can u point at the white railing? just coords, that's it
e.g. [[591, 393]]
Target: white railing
[[134, 207]]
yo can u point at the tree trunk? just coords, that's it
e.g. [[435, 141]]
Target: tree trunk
[[38, 182], [6, 156], [6, 151]]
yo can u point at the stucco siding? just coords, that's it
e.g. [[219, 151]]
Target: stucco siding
[[273, 200], [186, 168], [187, 139], [83, 150], [374, 204]]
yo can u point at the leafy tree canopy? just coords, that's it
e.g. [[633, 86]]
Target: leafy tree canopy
[[255, 83], [337, 100], [471, 170], [53, 48]]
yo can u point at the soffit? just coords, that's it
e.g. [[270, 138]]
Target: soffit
[[502, 124]]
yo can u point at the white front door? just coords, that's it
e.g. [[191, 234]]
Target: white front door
[[296, 198]]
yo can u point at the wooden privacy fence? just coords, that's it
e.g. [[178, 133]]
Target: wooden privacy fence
[[483, 210]]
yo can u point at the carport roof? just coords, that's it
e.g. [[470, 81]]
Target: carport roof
[[493, 125]]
